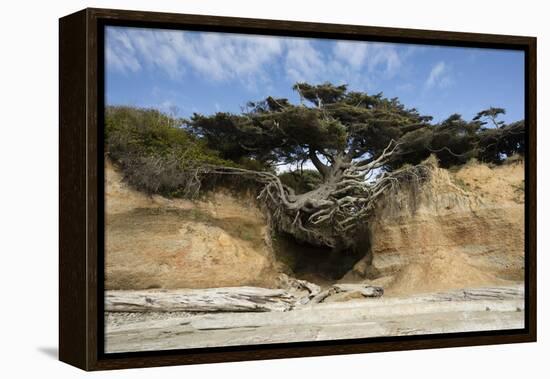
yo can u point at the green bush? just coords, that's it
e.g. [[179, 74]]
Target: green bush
[[148, 132], [156, 154]]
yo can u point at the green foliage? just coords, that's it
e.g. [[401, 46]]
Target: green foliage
[[490, 115], [149, 132], [321, 94], [496, 144], [456, 141], [156, 154], [331, 121]]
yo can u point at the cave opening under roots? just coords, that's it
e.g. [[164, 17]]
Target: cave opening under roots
[[322, 265]]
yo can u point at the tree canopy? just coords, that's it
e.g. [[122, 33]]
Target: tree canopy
[[333, 123], [330, 123]]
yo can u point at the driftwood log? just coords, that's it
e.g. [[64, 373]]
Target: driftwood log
[[303, 290], [360, 289], [483, 293], [229, 299]]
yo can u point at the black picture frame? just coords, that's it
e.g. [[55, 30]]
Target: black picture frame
[[81, 104]]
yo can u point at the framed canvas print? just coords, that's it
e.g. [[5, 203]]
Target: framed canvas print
[[238, 189]]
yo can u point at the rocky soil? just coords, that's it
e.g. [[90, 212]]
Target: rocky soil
[[154, 242]]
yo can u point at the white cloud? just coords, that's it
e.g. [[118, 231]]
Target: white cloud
[[227, 57], [352, 62], [120, 53], [384, 57], [375, 57], [303, 62], [211, 55], [439, 77], [352, 53], [249, 59]]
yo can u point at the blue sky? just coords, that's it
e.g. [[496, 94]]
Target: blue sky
[[186, 72]]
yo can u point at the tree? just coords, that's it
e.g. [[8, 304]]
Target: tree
[[347, 149], [455, 141], [348, 137], [500, 140]]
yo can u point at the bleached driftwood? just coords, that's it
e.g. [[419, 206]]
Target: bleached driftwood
[[303, 290], [362, 289], [359, 318], [365, 290], [254, 299], [484, 293], [228, 299]]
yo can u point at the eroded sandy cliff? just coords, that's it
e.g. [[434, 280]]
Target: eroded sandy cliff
[[155, 242], [459, 229]]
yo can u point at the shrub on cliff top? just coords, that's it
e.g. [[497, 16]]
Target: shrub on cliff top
[[156, 154]]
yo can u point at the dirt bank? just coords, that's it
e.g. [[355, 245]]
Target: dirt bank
[[463, 228], [154, 242]]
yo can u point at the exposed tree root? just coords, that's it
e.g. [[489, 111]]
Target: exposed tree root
[[337, 211]]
